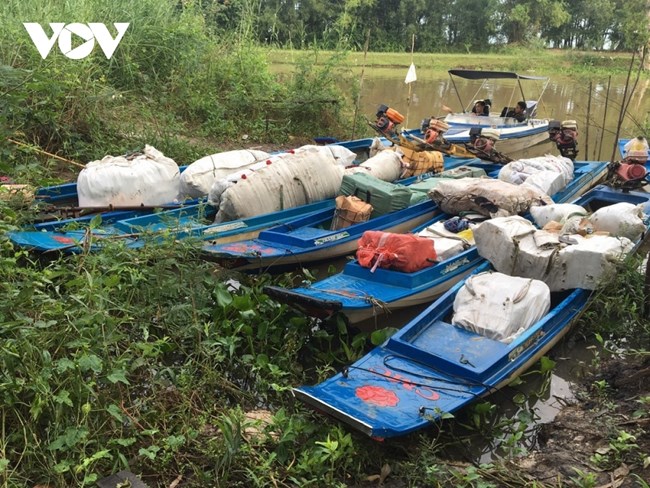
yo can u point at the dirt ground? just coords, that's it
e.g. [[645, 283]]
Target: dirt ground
[[590, 427]]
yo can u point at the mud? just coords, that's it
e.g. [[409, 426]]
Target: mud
[[581, 442]]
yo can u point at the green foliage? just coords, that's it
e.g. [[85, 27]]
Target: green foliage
[[172, 78], [621, 448], [438, 26], [616, 310], [98, 348]]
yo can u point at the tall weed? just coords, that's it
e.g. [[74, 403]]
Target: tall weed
[[171, 75]]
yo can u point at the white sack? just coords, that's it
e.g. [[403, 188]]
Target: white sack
[[198, 177], [342, 155], [376, 147], [621, 220], [494, 198], [549, 182], [585, 264], [548, 173], [148, 178], [309, 174], [338, 155], [386, 165], [557, 212], [514, 246], [499, 306], [446, 243]]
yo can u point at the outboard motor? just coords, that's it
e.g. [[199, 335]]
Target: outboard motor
[[481, 144], [387, 121], [474, 132], [565, 136], [434, 130], [485, 140], [630, 173]]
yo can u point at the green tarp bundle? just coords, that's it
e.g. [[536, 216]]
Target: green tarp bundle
[[419, 190], [383, 196]]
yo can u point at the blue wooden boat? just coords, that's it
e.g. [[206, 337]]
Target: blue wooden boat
[[309, 239], [431, 367], [66, 193], [134, 229], [360, 293], [513, 135]]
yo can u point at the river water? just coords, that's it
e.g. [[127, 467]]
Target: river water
[[588, 101]]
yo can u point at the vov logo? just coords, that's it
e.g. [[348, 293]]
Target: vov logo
[[88, 32]]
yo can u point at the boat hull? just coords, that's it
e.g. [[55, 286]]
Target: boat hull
[[512, 139], [299, 243], [431, 368], [360, 293]]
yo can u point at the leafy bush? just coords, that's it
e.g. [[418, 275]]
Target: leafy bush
[[171, 79]]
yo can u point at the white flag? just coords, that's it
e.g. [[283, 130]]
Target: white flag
[[410, 76]]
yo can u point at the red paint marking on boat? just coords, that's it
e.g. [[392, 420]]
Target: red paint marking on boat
[[377, 396], [64, 240], [422, 391]]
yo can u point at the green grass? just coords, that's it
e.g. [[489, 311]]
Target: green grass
[[538, 61]]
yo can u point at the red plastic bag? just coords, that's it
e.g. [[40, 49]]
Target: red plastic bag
[[402, 252]]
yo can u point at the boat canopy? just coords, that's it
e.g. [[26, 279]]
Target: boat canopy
[[470, 74]]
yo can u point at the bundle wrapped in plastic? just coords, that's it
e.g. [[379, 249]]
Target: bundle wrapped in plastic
[[402, 252], [415, 163], [147, 178], [549, 173], [386, 166], [621, 220], [198, 177], [515, 246], [305, 175], [499, 306], [494, 198], [556, 212]]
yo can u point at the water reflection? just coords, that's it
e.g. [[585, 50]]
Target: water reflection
[[564, 98]]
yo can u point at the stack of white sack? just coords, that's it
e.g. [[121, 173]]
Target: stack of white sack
[[550, 174], [385, 165], [493, 198], [198, 177], [147, 178], [516, 247], [305, 175], [499, 306]]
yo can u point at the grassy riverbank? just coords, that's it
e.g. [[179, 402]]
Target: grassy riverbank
[[152, 360]]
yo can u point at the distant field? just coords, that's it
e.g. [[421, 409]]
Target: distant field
[[521, 60]]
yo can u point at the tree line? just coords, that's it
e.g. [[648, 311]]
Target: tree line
[[438, 25]]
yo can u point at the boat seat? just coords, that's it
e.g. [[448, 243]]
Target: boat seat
[[452, 349], [531, 111]]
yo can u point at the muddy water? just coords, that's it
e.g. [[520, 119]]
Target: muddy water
[[595, 110]]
